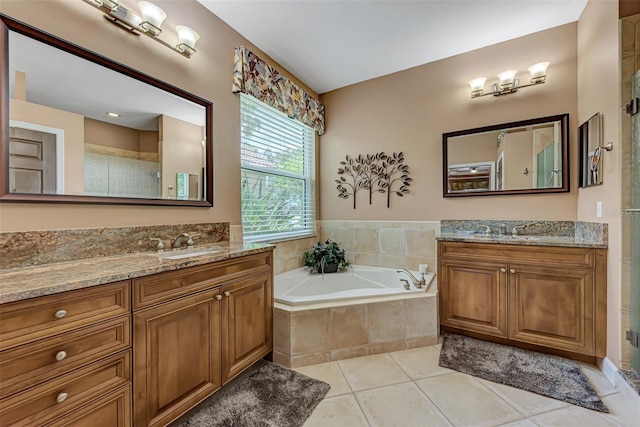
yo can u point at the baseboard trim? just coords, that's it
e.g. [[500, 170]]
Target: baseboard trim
[[610, 370]]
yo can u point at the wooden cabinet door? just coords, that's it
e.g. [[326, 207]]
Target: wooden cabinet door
[[176, 357], [247, 323], [552, 307], [473, 296]]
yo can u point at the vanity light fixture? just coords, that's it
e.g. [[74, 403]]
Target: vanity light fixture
[[149, 22], [508, 83]]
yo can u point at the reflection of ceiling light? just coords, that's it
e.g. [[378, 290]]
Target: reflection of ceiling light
[[113, 114], [508, 82], [473, 170]]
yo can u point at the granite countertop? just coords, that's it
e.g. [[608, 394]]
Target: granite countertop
[[28, 282], [528, 240]]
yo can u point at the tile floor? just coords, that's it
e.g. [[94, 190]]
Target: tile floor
[[407, 388]]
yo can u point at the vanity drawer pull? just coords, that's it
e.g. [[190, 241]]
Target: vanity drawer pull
[[504, 270], [512, 271], [218, 297], [227, 293], [60, 314], [61, 397], [61, 355]]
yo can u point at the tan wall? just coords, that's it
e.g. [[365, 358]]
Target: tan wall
[[181, 152], [110, 135], [472, 149], [408, 111], [207, 74], [73, 126], [598, 91], [149, 141]]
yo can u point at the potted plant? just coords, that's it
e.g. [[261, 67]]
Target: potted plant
[[325, 257]]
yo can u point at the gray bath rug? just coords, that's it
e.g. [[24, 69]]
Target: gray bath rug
[[550, 376], [269, 395]]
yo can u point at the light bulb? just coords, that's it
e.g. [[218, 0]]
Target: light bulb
[[538, 72], [153, 15], [187, 38], [477, 86], [507, 79]]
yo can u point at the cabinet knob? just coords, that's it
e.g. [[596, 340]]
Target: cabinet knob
[[227, 293], [61, 355], [504, 270], [60, 314], [61, 397], [218, 297], [512, 271]]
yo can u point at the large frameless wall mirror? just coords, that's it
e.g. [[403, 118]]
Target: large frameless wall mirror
[[81, 128], [528, 156]]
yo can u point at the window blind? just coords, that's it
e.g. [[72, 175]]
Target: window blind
[[278, 174]]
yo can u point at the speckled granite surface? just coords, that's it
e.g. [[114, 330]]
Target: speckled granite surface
[[31, 248], [532, 233], [29, 282]]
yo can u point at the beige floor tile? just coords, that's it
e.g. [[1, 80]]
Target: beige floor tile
[[399, 405], [520, 423], [573, 416], [329, 373], [372, 371], [420, 362], [465, 401], [597, 379], [622, 410], [339, 411], [524, 401]]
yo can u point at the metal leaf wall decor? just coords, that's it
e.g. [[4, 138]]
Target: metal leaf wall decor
[[377, 173]]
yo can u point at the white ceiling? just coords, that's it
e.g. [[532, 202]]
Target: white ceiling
[[330, 44]]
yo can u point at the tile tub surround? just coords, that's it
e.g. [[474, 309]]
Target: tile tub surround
[[389, 244], [310, 336], [29, 282], [31, 248]]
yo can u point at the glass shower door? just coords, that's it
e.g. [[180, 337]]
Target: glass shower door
[[635, 225]]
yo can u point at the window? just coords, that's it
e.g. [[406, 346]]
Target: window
[[278, 185]]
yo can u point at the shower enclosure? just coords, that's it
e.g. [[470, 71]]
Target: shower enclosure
[[634, 212]]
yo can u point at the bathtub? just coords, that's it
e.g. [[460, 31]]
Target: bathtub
[[352, 313], [300, 287]]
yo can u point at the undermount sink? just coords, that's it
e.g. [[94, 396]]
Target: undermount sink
[[188, 254]]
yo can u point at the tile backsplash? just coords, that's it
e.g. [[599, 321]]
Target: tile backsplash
[[29, 248]]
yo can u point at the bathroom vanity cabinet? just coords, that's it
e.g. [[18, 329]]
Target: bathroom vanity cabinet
[[137, 352], [194, 330], [545, 298]]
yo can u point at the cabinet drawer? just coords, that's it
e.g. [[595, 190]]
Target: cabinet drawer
[[28, 320], [166, 286], [52, 399], [112, 410], [540, 255], [30, 364]]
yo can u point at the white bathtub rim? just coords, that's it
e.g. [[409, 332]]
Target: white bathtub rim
[[301, 278], [431, 292]]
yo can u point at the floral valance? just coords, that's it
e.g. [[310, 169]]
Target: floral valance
[[253, 76]]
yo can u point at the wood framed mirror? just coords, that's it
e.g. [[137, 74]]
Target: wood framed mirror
[[523, 157], [77, 127]]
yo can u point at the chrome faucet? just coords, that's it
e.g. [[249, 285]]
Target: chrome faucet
[[418, 283], [503, 229], [183, 240], [158, 245], [514, 230]]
